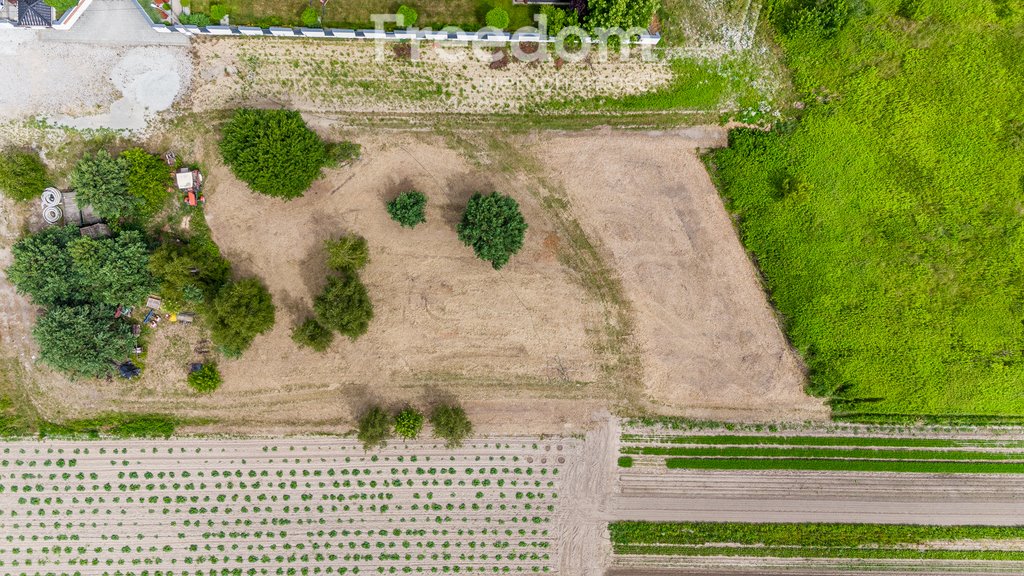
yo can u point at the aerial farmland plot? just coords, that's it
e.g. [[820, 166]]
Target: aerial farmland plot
[[302, 506]]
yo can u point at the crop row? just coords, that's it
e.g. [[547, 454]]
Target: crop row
[[822, 453], [836, 464], [873, 441]]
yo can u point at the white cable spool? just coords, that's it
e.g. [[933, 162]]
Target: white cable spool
[[52, 214], [51, 197]]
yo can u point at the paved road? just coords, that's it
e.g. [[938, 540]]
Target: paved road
[[115, 23], [781, 496]]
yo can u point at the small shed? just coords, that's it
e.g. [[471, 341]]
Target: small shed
[[184, 179], [34, 14]]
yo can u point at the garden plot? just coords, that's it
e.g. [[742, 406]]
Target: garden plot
[[303, 506], [846, 473]]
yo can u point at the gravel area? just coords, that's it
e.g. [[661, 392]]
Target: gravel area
[[111, 71]]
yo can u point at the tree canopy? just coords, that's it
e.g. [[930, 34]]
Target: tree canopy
[[189, 271], [83, 340], [409, 423], [408, 208], [101, 181], [374, 428], [345, 306], [273, 151], [348, 253], [23, 175], [494, 227], [313, 334], [240, 312], [206, 379], [451, 423], [148, 178], [60, 266]]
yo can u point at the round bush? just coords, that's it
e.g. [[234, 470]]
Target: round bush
[[206, 379], [497, 18], [310, 17], [451, 423], [409, 16], [273, 151], [374, 428], [493, 226], [408, 208], [409, 423], [218, 12], [313, 334], [23, 175]]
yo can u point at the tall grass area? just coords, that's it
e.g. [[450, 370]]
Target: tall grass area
[[887, 219], [790, 540]]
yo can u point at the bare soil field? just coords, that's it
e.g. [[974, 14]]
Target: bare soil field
[[595, 312]]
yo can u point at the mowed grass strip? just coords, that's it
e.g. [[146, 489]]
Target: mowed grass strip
[[824, 453], [825, 441], [836, 464], [811, 540]]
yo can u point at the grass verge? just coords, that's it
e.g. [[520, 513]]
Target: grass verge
[[827, 441], [835, 464], [826, 453]]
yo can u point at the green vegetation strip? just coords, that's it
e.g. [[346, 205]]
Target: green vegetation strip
[[846, 465], [824, 453], [792, 540], [825, 441]]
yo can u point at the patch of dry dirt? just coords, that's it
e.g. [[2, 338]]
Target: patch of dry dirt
[[712, 347]]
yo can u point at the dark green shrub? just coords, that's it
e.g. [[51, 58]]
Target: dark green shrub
[[206, 379], [101, 181], [497, 18], [309, 17], [83, 340], [23, 175], [623, 14], [374, 428], [348, 253], [451, 423], [493, 226], [273, 151], [408, 208], [189, 271], [826, 17], [240, 312], [625, 461], [409, 423], [409, 16], [345, 306], [312, 334]]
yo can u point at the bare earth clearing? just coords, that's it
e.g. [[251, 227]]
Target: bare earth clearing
[[538, 346]]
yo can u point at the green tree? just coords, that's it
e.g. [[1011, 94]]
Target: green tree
[[558, 18], [348, 253], [408, 208], [623, 14], [206, 379], [374, 428], [101, 181], [309, 17], [240, 312], [188, 271], [43, 268], [451, 423], [273, 151], [23, 175], [409, 423], [345, 306], [312, 334], [148, 179], [83, 340], [112, 270], [494, 227], [497, 17], [409, 16]]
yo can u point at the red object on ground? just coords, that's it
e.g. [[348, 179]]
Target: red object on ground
[[190, 198]]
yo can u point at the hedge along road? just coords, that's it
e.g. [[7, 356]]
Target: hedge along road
[[273, 505]]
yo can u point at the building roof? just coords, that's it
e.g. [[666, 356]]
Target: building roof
[[34, 13], [185, 180]]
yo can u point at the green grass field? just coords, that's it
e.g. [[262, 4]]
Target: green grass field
[[790, 540], [887, 220]]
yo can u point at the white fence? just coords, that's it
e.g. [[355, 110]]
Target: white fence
[[415, 34]]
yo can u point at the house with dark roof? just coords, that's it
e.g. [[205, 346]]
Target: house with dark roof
[[34, 14]]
